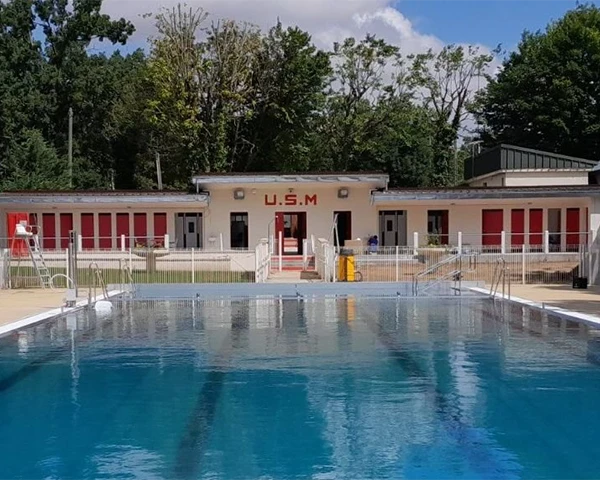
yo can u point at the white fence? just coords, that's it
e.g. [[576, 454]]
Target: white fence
[[146, 266], [263, 261], [325, 260]]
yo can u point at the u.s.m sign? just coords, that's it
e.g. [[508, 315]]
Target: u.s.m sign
[[291, 200]]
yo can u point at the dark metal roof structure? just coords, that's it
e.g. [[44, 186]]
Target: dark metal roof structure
[[509, 157], [486, 193]]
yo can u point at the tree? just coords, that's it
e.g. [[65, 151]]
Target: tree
[[547, 94], [34, 165], [445, 81]]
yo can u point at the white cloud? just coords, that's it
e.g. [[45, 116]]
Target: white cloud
[[327, 20]]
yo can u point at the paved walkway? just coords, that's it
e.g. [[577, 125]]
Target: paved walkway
[[18, 304], [562, 296], [293, 277]]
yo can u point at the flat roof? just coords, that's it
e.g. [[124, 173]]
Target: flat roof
[[71, 197], [379, 179], [491, 193]]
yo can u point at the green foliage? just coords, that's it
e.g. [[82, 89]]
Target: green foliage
[[32, 164], [546, 96]]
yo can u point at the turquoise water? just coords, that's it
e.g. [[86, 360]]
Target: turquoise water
[[293, 389]]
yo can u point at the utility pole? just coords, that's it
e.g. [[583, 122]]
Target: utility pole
[[158, 172], [70, 154]]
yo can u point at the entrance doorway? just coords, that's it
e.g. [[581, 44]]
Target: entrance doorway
[[344, 228], [392, 226], [293, 231], [188, 230]]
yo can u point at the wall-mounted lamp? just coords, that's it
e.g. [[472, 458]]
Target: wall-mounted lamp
[[239, 194], [343, 193], [254, 191], [291, 190]]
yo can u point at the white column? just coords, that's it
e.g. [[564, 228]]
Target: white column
[[416, 242], [123, 242], [546, 241], [503, 242], [397, 263], [460, 243], [167, 241], [79, 242], [193, 268], [280, 248]]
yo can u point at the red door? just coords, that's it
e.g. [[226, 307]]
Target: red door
[[123, 228], [517, 227], [49, 230], [536, 225], [66, 225], [140, 229], [492, 224], [87, 230], [104, 230], [160, 228], [573, 240]]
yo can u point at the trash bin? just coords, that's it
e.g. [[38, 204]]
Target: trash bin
[[580, 282], [346, 265]]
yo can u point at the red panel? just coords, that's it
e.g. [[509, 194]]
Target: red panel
[[19, 247], [492, 225], [536, 225], [66, 224], [140, 229], [573, 226], [123, 228], [445, 227], [160, 228], [105, 230], [49, 230], [517, 226], [87, 230]]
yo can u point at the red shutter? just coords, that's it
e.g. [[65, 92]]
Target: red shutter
[[123, 228], [66, 225], [573, 227], [492, 225], [536, 225], [140, 229], [160, 228], [87, 230], [517, 227], [48, 230], [105, 230]]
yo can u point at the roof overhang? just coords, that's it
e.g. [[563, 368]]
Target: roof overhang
[[375, 180], [74, 198], [485, 194]]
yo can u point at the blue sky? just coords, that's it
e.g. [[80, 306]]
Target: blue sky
[[482, 21]]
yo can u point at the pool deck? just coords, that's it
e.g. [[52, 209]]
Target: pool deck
[[561, 296], [19, 304]]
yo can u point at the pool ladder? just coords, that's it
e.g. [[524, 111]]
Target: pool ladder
[[95, 281], [126, 277], [501, 275]]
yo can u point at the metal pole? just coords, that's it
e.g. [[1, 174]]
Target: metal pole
[[70, 154], [523, 264]]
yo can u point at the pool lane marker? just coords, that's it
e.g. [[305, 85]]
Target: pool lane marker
[[561, 312], [56, 312]]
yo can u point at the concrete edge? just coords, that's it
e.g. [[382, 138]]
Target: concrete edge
[[561, 312], [56, 312]]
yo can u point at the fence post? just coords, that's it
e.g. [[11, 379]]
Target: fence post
[[79, 243], [546, 241], [131, 260], [221, 240], [460, 243], [304, 253], [167, 241], [589, 256], [416, 242], [523, 277], [280, 250], [193, 267], [503, 242], [68, 269], [397, 263], [122, 243]]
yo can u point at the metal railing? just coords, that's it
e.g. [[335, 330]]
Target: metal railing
[[501, 274], [95, 281]]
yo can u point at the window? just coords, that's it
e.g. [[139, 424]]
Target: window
[[239, 230], [437, 227]]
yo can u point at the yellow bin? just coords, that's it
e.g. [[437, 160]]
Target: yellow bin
[[346, 266]]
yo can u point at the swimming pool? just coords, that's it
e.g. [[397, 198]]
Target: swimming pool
[[290, 388]]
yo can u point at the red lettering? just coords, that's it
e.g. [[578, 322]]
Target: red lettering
[[269, 202], [291, 200], [310, 199]]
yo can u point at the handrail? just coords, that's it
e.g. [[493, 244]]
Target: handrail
[[126, 276], [431, 269], [96, 280], [499, 275]]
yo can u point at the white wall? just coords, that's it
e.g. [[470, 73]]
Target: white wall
[[319, 217], [531, 178]]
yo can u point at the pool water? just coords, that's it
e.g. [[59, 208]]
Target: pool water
[[324, 388]]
